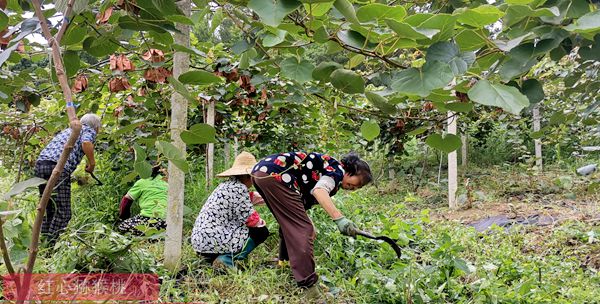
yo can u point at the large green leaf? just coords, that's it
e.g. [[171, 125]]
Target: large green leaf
[[346, 8], [300, 71], [447, 143], [216, 20], [592, 52], [199, 78], [272, 12], [587, 24], [347, 81], [449, 53], [143, 168], [180, 88], [377, 11], [3, 20], [381, 103], [355, 40], [72, 62], [318, 9], [139, 24], [471, 40], [442, 22], [167, 7], [180, 19], [479, 16], [273, 39], [507, 45], [73, 35], [369, 130], [99, 47], [568, 9], [421, 81], [520, 60], [323, 71], [463, 107], [199, 134], [516, 13], [533, 90], [172, 154], [22, 186], [405, 30], [498, 95]]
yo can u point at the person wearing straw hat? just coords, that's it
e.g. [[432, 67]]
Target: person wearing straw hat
[[228, 228]]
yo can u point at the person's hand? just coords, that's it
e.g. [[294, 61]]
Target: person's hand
[[256, 199], [346, 226], [90, 167]]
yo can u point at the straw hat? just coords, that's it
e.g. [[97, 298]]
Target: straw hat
[[241, 166]]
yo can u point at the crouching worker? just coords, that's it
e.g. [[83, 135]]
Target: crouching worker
[[151, 195], [228, 228]]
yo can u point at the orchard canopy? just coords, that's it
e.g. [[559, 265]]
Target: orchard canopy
[[384, 70]]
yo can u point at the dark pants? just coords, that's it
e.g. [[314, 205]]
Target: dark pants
[[257, 234], [296, 230], [58, 211]]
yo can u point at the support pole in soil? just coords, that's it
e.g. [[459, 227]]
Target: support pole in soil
[[210, 149], [452, 164], [179, 106], [463, 154], [537, 142], [75, 130], [227, 153], [391, 171]]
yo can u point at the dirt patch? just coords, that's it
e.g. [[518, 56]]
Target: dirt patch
[[550, 210]]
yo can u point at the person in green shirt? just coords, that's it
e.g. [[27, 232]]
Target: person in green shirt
[[151, 195]]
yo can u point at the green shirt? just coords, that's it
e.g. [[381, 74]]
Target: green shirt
[[151, 195]]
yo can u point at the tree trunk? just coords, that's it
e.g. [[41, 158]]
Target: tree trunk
[[537, 142], [236, 146], [179, 105], [464, 150], [452, 164], [391, 171], [210, 149], [227, 154], [74, 123]]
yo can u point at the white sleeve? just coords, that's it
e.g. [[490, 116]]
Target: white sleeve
[[325, 182]]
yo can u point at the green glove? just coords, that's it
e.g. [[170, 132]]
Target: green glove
[[346, 226]]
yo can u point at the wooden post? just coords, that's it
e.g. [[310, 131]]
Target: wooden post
[[463, 154], [226, 153], [452, 164], [391, 171], [210, 150], [537, 142], [75, 125], [236, 146], [179, 106]]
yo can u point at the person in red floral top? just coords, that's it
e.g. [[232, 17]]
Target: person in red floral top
[[290, 184]]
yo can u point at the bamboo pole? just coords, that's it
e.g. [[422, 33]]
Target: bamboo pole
[[452, 164], [537, 142], [75, 125], [210, 149], [179, 106]]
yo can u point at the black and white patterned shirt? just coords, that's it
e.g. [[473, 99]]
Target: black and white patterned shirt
[[221, 225]]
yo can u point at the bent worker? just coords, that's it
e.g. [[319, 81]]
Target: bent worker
[[151, 195], [290, 184], [228, 227], [58, 211]]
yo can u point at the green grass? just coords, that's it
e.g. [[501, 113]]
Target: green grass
[[444, 261]]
